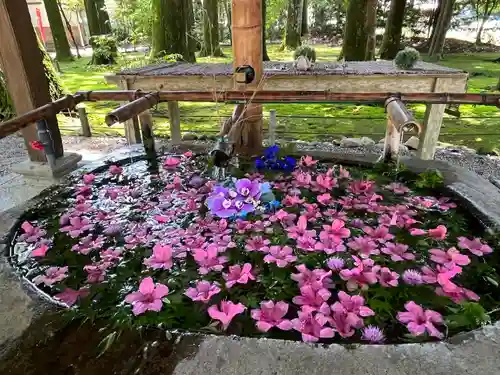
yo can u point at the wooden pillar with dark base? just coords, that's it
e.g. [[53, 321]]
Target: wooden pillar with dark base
[[246, 132], [21, 62]]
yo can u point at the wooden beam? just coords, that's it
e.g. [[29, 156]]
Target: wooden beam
[[21, 62]]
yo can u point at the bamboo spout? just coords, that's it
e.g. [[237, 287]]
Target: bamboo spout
[[132, 109], [400, 116]]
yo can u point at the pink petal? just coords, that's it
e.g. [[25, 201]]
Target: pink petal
[[160, 291], [263, 326], [147, 286]]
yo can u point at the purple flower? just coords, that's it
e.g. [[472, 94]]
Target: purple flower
[[221, 206], [373, 334], [412, 277], [248, 188], [335, 264]]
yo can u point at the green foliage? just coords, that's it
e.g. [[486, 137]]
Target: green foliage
[[407, 58], [430, 179], [306, 51], [469, 315], [105, 51], [6, 105]]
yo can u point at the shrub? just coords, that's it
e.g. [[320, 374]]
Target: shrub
[[105, 50], [306, 51], [406, 58]]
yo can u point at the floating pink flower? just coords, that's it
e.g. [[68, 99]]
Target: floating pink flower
[[70, 296], [438, 233], [397, 188], [386, 277], [31, 233], [300, 229], [282, 256], [373, 334], [40, 251], [348, 313], [444, 204], [324, 199], [171, 163], [312, 327], [257, 243], [188, 154], [311, 298], [95, 273], [364, 246], [52, 275], [475, 246], [77, 226], [324, 183], [161, 258], [417, 232], [361, 187], [458, 294], [208, 259], [271, 315], [203, 291], [292, 200], [238, 275], [360, 276], [88, 179], [449, 258], [307, 161], [398, 252], [419, 321], [307, 243], [329, 246], [318, 278], [115, 170], [148, 297], [227, 311], [302, 179], [380, 234], [335, 232]]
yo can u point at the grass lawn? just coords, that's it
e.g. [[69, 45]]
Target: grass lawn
[[475, 128]]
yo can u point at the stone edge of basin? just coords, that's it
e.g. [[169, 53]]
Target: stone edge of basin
[[476, 351]]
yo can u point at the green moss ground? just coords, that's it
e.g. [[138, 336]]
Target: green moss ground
[[476, 128]]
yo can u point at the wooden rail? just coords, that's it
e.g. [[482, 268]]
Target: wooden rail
[[142, 101]]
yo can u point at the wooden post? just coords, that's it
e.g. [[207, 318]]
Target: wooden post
[[272, 126], [84, 121], [432, 122], [175, 122], [148, 140], [247, 50], [21, 61], [132, 128]]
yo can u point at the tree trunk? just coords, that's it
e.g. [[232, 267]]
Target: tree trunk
[[68, 27], [227, 7], [265, 56], [393, 30], [354, 47], [171, 29], [498, 84], [63, 50], [97, 17], [370, 27], [434, 20], [437, 44], [293, 23], [481, 27], [304, 28], [210, 29], [192, 42]]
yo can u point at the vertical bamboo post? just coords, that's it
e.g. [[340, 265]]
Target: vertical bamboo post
[[84, 121], [247, 50], [146, 120], [175, 122]]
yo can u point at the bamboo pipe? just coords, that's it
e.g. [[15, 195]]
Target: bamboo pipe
[[132, 109], [282, 96], [400, 116], [17, 123]]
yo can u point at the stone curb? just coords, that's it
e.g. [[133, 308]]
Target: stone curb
[[468, 353]]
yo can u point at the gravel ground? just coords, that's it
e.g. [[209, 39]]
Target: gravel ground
[[13, 152]]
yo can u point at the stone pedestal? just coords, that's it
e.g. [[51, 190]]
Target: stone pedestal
[[64, 165]]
